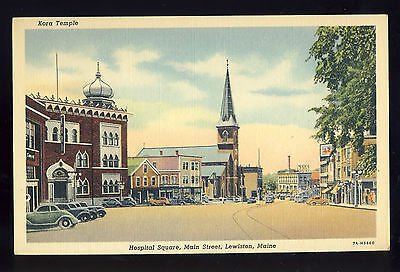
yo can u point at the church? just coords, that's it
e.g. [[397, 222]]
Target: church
[[220, 171]]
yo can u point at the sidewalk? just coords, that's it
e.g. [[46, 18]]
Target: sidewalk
[[364, 207]]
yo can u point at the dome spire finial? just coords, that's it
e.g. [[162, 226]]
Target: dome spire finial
[[98, 69], [227, 63]]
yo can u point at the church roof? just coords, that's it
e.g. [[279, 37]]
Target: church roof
[[227, 115], [208, 170], [209, 153]]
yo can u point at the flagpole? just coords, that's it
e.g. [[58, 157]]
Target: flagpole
[[57, 76]]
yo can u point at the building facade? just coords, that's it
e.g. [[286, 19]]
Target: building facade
[[294, 181], [251, 181], [144, 179], [84, 145]]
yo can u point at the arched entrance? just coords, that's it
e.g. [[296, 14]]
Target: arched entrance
[[60, 178]]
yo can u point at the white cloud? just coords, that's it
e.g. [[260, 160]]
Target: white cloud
[[186, 90], [77, 69]]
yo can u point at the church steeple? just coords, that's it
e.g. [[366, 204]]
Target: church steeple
[[227, 115]]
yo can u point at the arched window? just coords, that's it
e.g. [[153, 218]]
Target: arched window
[[85, 185], [111, 187], [55, 134], [105, 187], [224, 136], [116, 189], [79, 159], [116, 139], [85, 160], [110, 139], [105, 164], [74, 136], [79, 187], [110, 161], [105, 138], [116, 161], [66, 135]]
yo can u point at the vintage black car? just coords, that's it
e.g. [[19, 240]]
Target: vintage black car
[[82, 215], [76, 205], [128, 202], [111, 203], [48, 216], [101, 212]]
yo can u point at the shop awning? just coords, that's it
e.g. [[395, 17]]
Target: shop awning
[[326, 190], [336, 189]]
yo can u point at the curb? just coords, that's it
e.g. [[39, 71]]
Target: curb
[[352, 207]]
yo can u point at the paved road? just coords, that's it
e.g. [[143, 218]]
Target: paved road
[[235, 221]]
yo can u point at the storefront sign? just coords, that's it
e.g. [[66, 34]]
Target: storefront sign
[[326, 150]]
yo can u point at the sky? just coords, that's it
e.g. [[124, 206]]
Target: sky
[[172, 81]]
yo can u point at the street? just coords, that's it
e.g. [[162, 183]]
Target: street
[[233, 221]]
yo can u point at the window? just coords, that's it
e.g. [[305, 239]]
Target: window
[[44, 209], [116, 189], [338, 173], [105, 187], [55, 134], [30, 172], [145, 168], [79, 159], [224, 136], [197, 166], [348, 171], [116, 161], [196, 179], [137, 181], [30, 135], [85, 159], [66, 135], [111, 187], [105, 138], [185, 165], [144, 181], [192, 179], [116, 139], [105, 161], [74, 136], [173, 179], [154, 164], [110, 161], [192, 165], [79, 187], [164, 179], [45, 133], [111, 139], [153, 181], [347, 153]]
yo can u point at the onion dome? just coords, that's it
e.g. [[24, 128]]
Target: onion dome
[[98, 92], [98, 88]]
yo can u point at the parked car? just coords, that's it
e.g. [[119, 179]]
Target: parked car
[[204, 199], [291, 198], [177, 201], [49, 215], [317, 200], [282, 197], [101, 212], [77, 206], [111, 203], [81, 214], [269, 199], [301, 198], [251, 200], [128, 202], [162, 201]]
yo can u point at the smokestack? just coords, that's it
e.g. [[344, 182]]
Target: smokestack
[[289, 161], [259, 165]]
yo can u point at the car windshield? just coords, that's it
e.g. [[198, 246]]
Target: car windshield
[[83, 204], [71, 205]]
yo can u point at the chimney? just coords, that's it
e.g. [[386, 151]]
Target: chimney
[[161, 152], [289, 162], [177, 152]]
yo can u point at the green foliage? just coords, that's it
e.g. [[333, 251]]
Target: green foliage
[[346, 64], [270, 182], [368, 161]]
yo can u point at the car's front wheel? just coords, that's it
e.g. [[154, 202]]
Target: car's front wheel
[[101, 214], [84, 218], [65, 223]]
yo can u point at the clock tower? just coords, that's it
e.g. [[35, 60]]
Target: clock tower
[[227, 137]]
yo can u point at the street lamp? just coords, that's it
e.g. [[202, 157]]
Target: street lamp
[[356, 173], [121, 188]]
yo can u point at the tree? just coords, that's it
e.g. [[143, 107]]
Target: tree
[[346, 64], [270, 182]]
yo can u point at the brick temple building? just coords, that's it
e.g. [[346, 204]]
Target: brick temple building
[[80, 148]]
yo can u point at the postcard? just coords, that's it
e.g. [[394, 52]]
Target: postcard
[[177, 135]]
